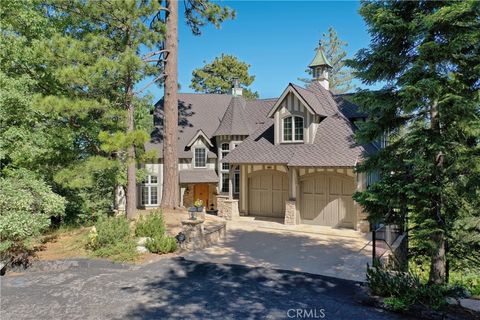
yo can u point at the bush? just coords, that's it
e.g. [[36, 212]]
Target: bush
[[26, 207], [404, 289], [151, 225], [112, 238], [164, 244]]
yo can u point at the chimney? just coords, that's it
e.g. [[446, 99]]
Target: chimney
[[320, 67], [236, 89]]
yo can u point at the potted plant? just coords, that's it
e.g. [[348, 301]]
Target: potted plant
[[199, 205]]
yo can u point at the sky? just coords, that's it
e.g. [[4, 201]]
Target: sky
[[277, 38]]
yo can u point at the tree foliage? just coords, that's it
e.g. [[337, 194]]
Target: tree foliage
[[218, 75], [26, 205], [427, 55], [340, 76]]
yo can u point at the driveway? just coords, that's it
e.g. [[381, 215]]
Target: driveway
[[175, 288], [341, 253]]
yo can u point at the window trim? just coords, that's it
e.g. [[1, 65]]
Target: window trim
[[293, 129], [148, 185], [195, 157]]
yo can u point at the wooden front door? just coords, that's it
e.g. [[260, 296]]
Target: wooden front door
[[201, 192]]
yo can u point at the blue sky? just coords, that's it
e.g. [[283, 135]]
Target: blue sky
[[277, 38]]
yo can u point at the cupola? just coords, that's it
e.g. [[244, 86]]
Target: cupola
[[320, 67]]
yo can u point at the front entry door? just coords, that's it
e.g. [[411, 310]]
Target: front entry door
[[201, 192]]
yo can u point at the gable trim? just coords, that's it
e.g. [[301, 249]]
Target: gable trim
[[289, 89], [197, 135]]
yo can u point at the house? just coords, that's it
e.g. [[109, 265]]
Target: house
[[290, 158]]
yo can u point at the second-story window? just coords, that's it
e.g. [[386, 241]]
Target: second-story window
[[225, 151], [293, 129], [200, 158]]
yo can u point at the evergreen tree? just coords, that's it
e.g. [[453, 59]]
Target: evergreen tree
[[340, 76], [427, 54], [197, 14], [97, 63], [218, 76]]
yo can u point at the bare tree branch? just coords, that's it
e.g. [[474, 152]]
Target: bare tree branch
[[150, 83]]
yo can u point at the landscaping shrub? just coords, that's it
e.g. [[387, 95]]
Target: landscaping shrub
[[153, 227], [112, 238], [164, 244], [404, 289], [27, 205]]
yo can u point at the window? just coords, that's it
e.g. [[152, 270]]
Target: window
[[225, 178], [225, 151], [236, 182], [293, 129], [200, 158], [149, 191]]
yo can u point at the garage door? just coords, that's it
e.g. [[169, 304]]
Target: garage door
[[268, 191], [327, 200]]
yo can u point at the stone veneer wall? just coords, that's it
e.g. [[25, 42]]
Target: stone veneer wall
[[290, 212], [227, 208], [188, 196]]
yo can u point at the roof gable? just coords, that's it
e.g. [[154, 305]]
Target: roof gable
[[199, 134], [290, 89]]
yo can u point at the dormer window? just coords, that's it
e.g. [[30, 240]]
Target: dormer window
[[200, 158], [293, 129]]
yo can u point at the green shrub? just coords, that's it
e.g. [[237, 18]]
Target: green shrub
[[151, 225], [404, 289], [26, 206], [397, 304], [112, 238], [164, 244], [110, 231]]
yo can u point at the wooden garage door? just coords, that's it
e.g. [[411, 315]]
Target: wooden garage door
[[327, 200], [268, 191]]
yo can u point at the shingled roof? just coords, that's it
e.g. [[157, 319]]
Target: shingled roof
[[198, 111], [234, 121], [333, 145]]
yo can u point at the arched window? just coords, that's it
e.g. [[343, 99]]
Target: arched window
[[293, 129]]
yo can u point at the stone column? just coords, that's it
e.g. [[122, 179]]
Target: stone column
[[227, 208], [194, 234], [290, 212]]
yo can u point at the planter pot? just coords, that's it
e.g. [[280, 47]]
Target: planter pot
[[212, 212], [199, 209]]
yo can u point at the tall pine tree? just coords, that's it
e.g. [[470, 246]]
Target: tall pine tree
[[426, 53], [197, 14]]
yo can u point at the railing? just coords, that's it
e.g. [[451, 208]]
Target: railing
[[383, 238]]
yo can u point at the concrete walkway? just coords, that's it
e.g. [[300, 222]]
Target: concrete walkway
[[340, 253]]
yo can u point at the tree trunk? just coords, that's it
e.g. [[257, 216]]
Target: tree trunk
[[131, 163], [170, 105], [438, 265]]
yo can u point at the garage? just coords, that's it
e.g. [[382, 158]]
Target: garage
[[268, 191], [326, 199]]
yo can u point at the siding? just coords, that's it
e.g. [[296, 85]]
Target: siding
[[291, 105]]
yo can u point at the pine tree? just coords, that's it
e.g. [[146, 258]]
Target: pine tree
[[427, 55], [98, 63], [340, 76], [197, 14], [218, 76]]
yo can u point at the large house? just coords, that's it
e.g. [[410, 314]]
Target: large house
[[291, 157]]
